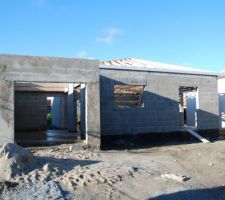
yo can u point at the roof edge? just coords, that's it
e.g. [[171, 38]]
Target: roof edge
[[114, 67]]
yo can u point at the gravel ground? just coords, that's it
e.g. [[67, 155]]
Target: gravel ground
[[39, 191]]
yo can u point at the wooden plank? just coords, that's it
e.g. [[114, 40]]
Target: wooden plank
[[189, 130]]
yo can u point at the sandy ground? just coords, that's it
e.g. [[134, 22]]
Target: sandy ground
[[133, 174]]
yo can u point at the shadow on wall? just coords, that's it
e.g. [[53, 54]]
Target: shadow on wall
[[217, 193], [151, 125]]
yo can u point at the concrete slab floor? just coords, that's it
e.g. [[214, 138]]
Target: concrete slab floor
[[46, 138]]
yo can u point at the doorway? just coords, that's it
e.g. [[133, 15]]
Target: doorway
[[48, 113], [188, 106]]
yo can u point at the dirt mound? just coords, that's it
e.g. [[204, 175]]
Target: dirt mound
[[14, 160]]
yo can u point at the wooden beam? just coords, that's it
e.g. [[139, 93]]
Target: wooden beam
[[189, 130]]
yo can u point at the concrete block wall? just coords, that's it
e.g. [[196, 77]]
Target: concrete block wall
[[30, 111], [50, 70], [59, 111], [161, 102]]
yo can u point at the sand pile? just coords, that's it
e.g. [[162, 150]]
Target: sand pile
[[14, 160]]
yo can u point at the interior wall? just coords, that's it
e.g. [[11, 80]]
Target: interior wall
[[31, 110], [191, 110], [58, 111]]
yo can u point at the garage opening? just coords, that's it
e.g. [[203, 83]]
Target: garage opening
[[49, 113], [188, 105]]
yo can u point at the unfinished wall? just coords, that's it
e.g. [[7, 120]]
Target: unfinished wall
[[6, 111], [30, 111], [47, 69], [161, 105], [59, 112]]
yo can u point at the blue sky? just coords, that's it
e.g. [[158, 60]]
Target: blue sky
[[187, 32]]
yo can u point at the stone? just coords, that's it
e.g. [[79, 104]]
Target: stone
[[47, 168], [175, 177], [70, 148], [211, 164]]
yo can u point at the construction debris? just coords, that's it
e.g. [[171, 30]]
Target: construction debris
[[175, 177], [189, 130], [211, 164]]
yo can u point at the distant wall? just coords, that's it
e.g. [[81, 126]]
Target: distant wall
[[161, 108], [221, 93], [59, 112], [31, 110], [191, 110]]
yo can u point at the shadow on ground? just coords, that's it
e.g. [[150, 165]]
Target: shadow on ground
[[217, 193], [62, 165]]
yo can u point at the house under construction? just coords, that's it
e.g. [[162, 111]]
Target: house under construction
[[57, 100]]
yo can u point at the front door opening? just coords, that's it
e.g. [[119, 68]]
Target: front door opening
[[188, 105], [49, 113]]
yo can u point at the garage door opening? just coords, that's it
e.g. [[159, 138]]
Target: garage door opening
[[188, 105], [49, 113]]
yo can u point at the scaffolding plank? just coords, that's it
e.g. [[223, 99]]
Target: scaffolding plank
[[192, 132]]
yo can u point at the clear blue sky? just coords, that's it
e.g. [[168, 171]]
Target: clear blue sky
[[188, 32]]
